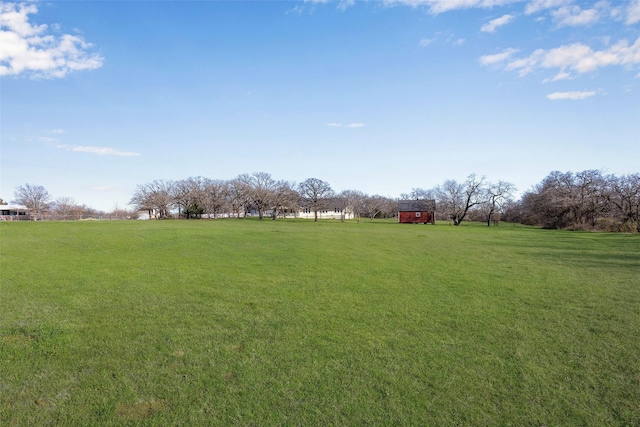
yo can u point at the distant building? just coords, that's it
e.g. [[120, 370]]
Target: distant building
[[332, 209], [417, 211], [147, 213], [13, 212]]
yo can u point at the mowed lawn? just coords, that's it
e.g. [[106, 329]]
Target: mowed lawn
[[260, 323]]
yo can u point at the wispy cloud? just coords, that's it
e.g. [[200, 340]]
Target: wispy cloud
[[562, 75], [57, 131], [356, 125], [26, 48], [493, 25], [334, 125], [497, 57], [443, 37], [574, 15], [100, 151], [441, 6], [535, 6], [574, 58], [309, 5], [426, 42], [633, 12], [344, 4], [574, 96]]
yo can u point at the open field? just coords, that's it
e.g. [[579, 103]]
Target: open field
[[241, 322]]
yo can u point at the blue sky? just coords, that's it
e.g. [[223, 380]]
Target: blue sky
[[377, 96]]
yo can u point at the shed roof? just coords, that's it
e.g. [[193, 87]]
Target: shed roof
[[416, 205]]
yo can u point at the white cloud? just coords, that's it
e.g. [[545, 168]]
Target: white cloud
[[25, 48], [101, 151], [344, 4], [573, 15], [633, 12], [574, 96], [535, 6], [334, 125], [446, 37], [494, 24], [562, 75], [498, 57], [574, 58], [426, 42], [441, 6], [57, 131], [568, 13], [356, 125]]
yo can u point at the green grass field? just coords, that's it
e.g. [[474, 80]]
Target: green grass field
[[242, 322]]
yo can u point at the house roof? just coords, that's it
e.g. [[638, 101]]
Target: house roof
[[416, 205], [13, 208]]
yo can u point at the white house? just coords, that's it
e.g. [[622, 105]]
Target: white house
[[13, 212], [326, 213]]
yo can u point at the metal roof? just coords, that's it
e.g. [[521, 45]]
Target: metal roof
[[13, 208]]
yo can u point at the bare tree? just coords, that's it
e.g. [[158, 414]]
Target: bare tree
[[457, 198], [34, 197], [285, 198], [315, 193], [119, 213], [260, 188], [349, 201], [419, 194], [583, 200], [591, 201], [547, 204], [63, 208], [389, 208], [213, 196], [495, 197], [568, 200], [625, 197], [188, 194], [372, 206], [156, 196], [77, 211], [237, 196]]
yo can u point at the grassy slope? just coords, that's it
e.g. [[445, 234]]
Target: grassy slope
[[296, 323]]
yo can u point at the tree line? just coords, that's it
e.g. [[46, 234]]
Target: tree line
[[260, 193], [257, 193], [589, 200], [40, 205]]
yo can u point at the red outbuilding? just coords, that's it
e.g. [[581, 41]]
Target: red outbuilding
[[417, 211]]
